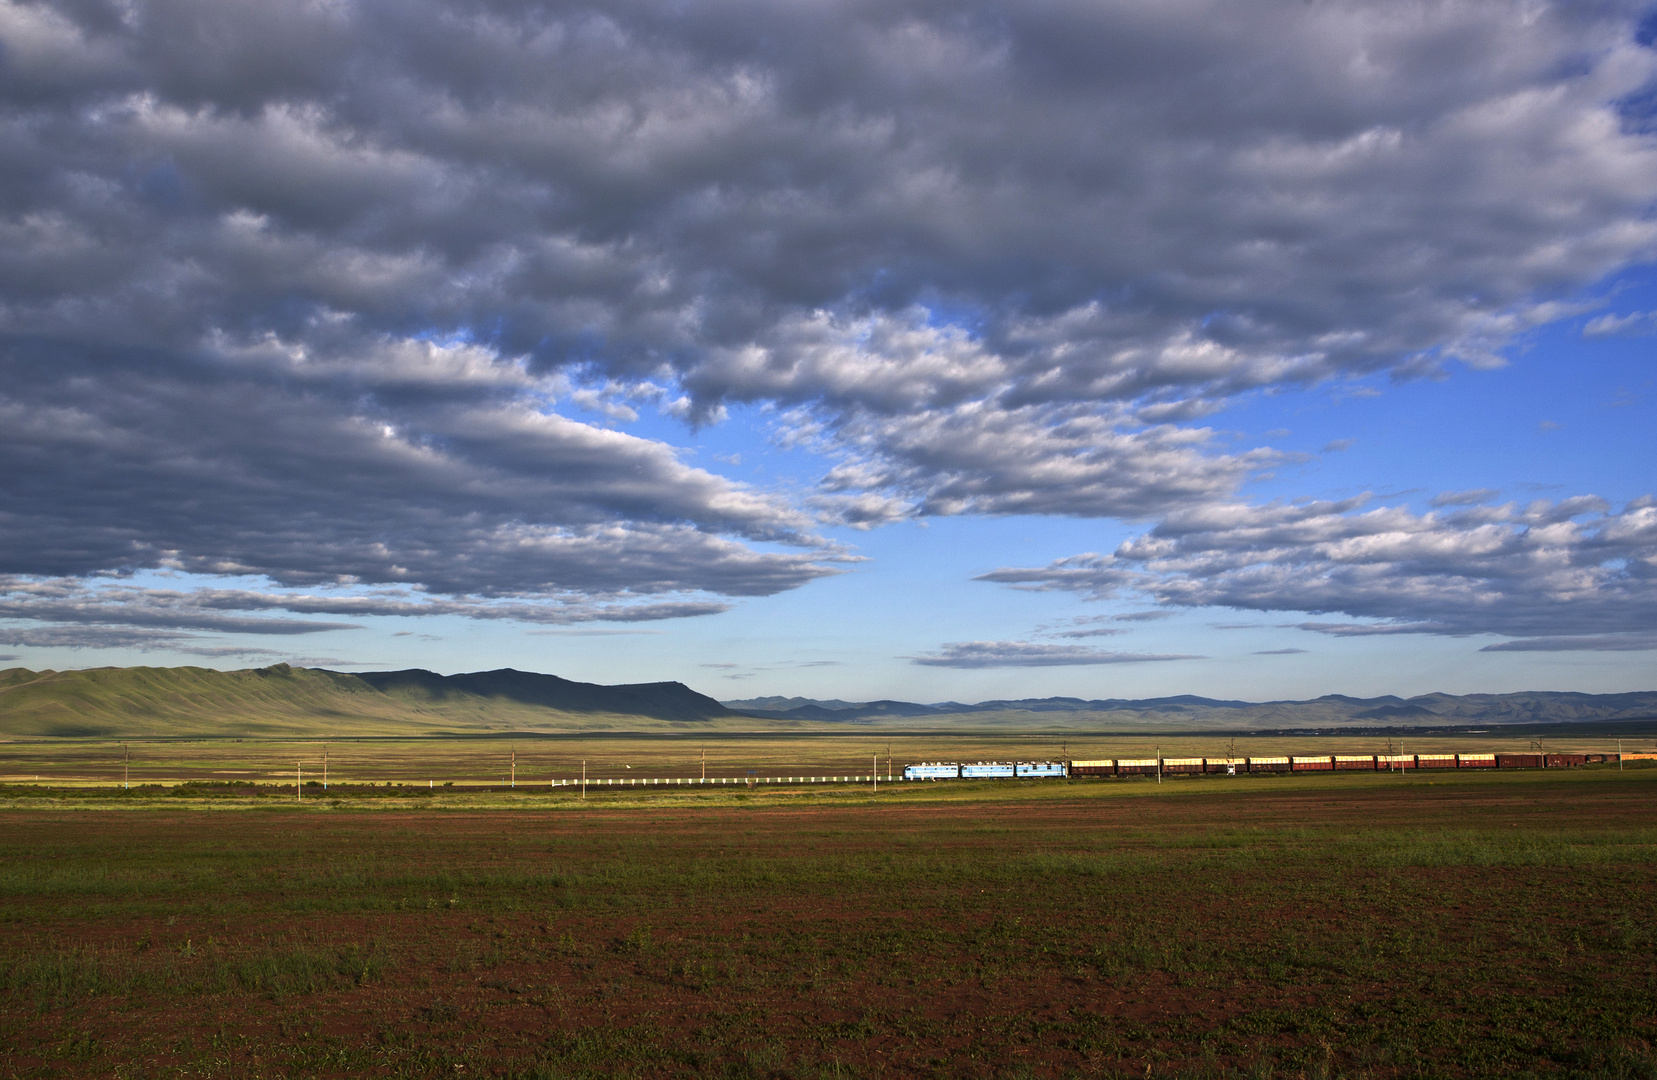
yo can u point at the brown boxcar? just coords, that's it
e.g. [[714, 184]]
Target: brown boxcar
[[1394, 762], [1311, 764], [1475, 761], [1519, 761], [1268, 764], [1182, 764], [1136, 766], [1105, 767], [1355, 761], [1561, 761], [1435, 761], [1220, 765]]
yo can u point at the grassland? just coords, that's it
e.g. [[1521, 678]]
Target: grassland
[[1461, 925], [489, 760]]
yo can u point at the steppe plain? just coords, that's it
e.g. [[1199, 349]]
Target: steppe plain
[[1337, 925]]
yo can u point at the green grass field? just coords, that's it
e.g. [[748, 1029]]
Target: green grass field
[[487, 760], [1361, 926]]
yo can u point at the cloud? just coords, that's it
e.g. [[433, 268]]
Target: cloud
[[1336, 446], [75, 600], [1635, 642], [1571, 568], [986, 654], [1633, 324], [92, 637], [314, 293], [1143, 616], [1473, 497], [1279, 652], [1053, 459]]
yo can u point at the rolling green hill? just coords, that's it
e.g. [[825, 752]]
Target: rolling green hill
[[288, 701]]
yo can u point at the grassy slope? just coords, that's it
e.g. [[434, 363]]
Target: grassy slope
[[279, 701]]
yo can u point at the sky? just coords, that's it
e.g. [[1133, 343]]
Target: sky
[[899, 349]]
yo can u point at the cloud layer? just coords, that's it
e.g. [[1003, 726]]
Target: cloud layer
[[1566, 575], [310, 292]]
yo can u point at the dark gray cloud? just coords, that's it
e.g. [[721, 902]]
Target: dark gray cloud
[[1543, 570], [987, 654], [1279, 652], [305, 291]]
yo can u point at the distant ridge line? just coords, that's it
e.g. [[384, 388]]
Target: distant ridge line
[[1524, 707]]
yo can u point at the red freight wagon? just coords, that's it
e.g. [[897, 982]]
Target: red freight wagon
[[1354, 761], [1394, 762], [1519, 761], [1311, 764], [1135, 766], [1559, 761], [1475, 761], [1268, 764], [1107, 767], [1182, 764], [1220, 765], [1435, 761]]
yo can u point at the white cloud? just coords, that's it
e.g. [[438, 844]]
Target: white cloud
[[1630, 325]]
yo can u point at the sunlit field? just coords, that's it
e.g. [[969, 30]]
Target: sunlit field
[[529, 761]]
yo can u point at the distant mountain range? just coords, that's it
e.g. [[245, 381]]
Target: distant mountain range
[[1189, 712], [283, 701]]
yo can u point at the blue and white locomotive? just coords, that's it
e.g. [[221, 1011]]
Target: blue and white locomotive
[[985, 770]]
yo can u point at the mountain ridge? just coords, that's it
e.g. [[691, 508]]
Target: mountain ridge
[[1521, 707], [284, 701]]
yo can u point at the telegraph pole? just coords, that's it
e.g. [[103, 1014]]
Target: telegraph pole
[[704, 764], [875, 775], [126, 762], [583, 779], [1159, 764], [513, 782]]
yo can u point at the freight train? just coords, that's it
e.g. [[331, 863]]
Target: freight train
[[1011, 770]]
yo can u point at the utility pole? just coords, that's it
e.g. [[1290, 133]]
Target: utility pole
[[1619, 755], [126, 762], [299, 779], [583, 779], [324, 766], [875, 776], [1159, 764], [704, 764], [513, 782]]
